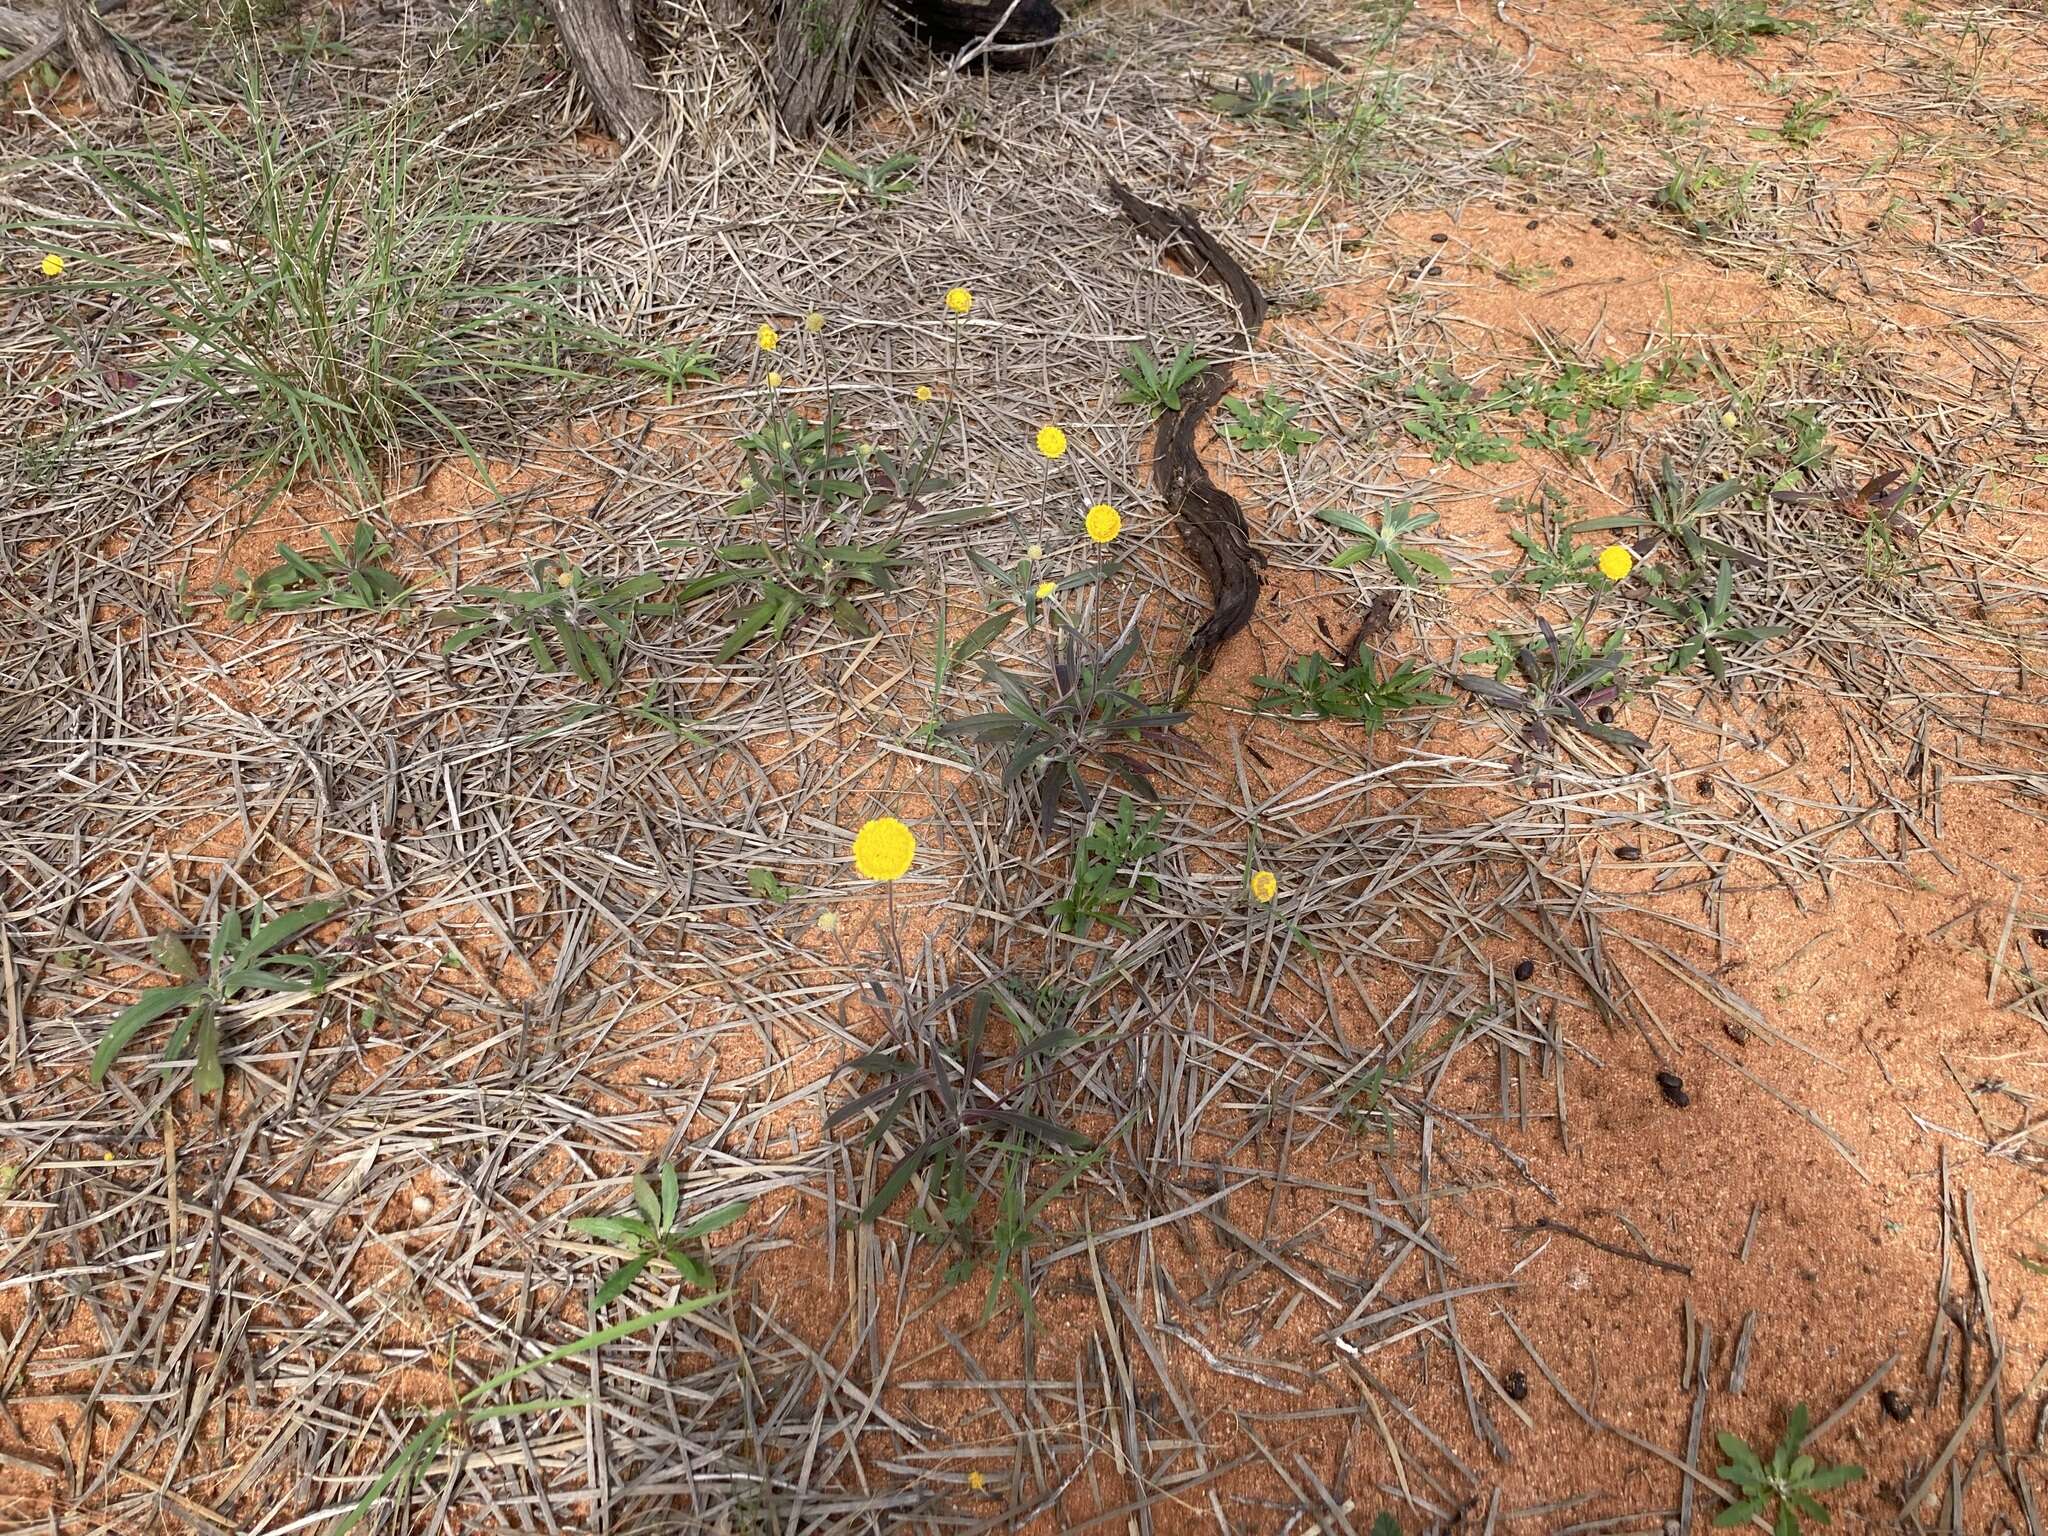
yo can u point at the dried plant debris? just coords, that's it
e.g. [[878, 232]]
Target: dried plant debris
[[1179, 232], [1211, 522]]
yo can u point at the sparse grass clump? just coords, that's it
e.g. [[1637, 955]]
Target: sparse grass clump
[[337, 297]]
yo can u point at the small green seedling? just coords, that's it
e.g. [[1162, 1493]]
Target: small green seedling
[[1316, 687], [762, 883], [1268, 425], [884, 182], [1449, 420], [651, 1234], [1389, 543], [1805, 123], [1147, 381], [245, 957], [1789, 1480], [1079, 713], [353, 579], [1268, 95], [1711, 628], [571, 621], [1106, 871], [1725, 28]]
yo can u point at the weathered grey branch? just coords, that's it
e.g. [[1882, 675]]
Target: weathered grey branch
[[603, 45], [108, 79]]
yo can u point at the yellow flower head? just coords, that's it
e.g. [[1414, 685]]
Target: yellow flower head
[[977, 1482], [1265, 885], [1052, 442], [883, 849], [1728, 420], [1046, 589], [1104, 522], [924, 393], [564, 579], [768, 338], [1616, 561], [1034, 552], [814, 322], [774, 379], [53, 265], [959, 300]]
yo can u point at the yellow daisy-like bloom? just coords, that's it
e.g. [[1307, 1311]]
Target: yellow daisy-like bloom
[[924, 393], [814, 322], [1052, 442], [53, 265], [1265, 885], [1046, 589], [768, 338], [1104, 522], [1616, 561], [883, 849], [959, 300], [976, 1482]]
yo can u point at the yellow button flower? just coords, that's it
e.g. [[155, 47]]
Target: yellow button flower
[[959, 300], [1728, 420], [774, 379], [768, 338], [883, 849], [814, 322], [1265, 885], [1104, 522], [924, 393], [1616, 561], [1052, 442], [53, 265], [1046, 589], [1034, 552], [977, 1482]]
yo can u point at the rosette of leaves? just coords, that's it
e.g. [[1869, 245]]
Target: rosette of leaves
[[1315, 687], [1563, 677], [571, 621], [1079, 715], [653, 1232], [246, 958], [975, 1123], [352, 579]]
